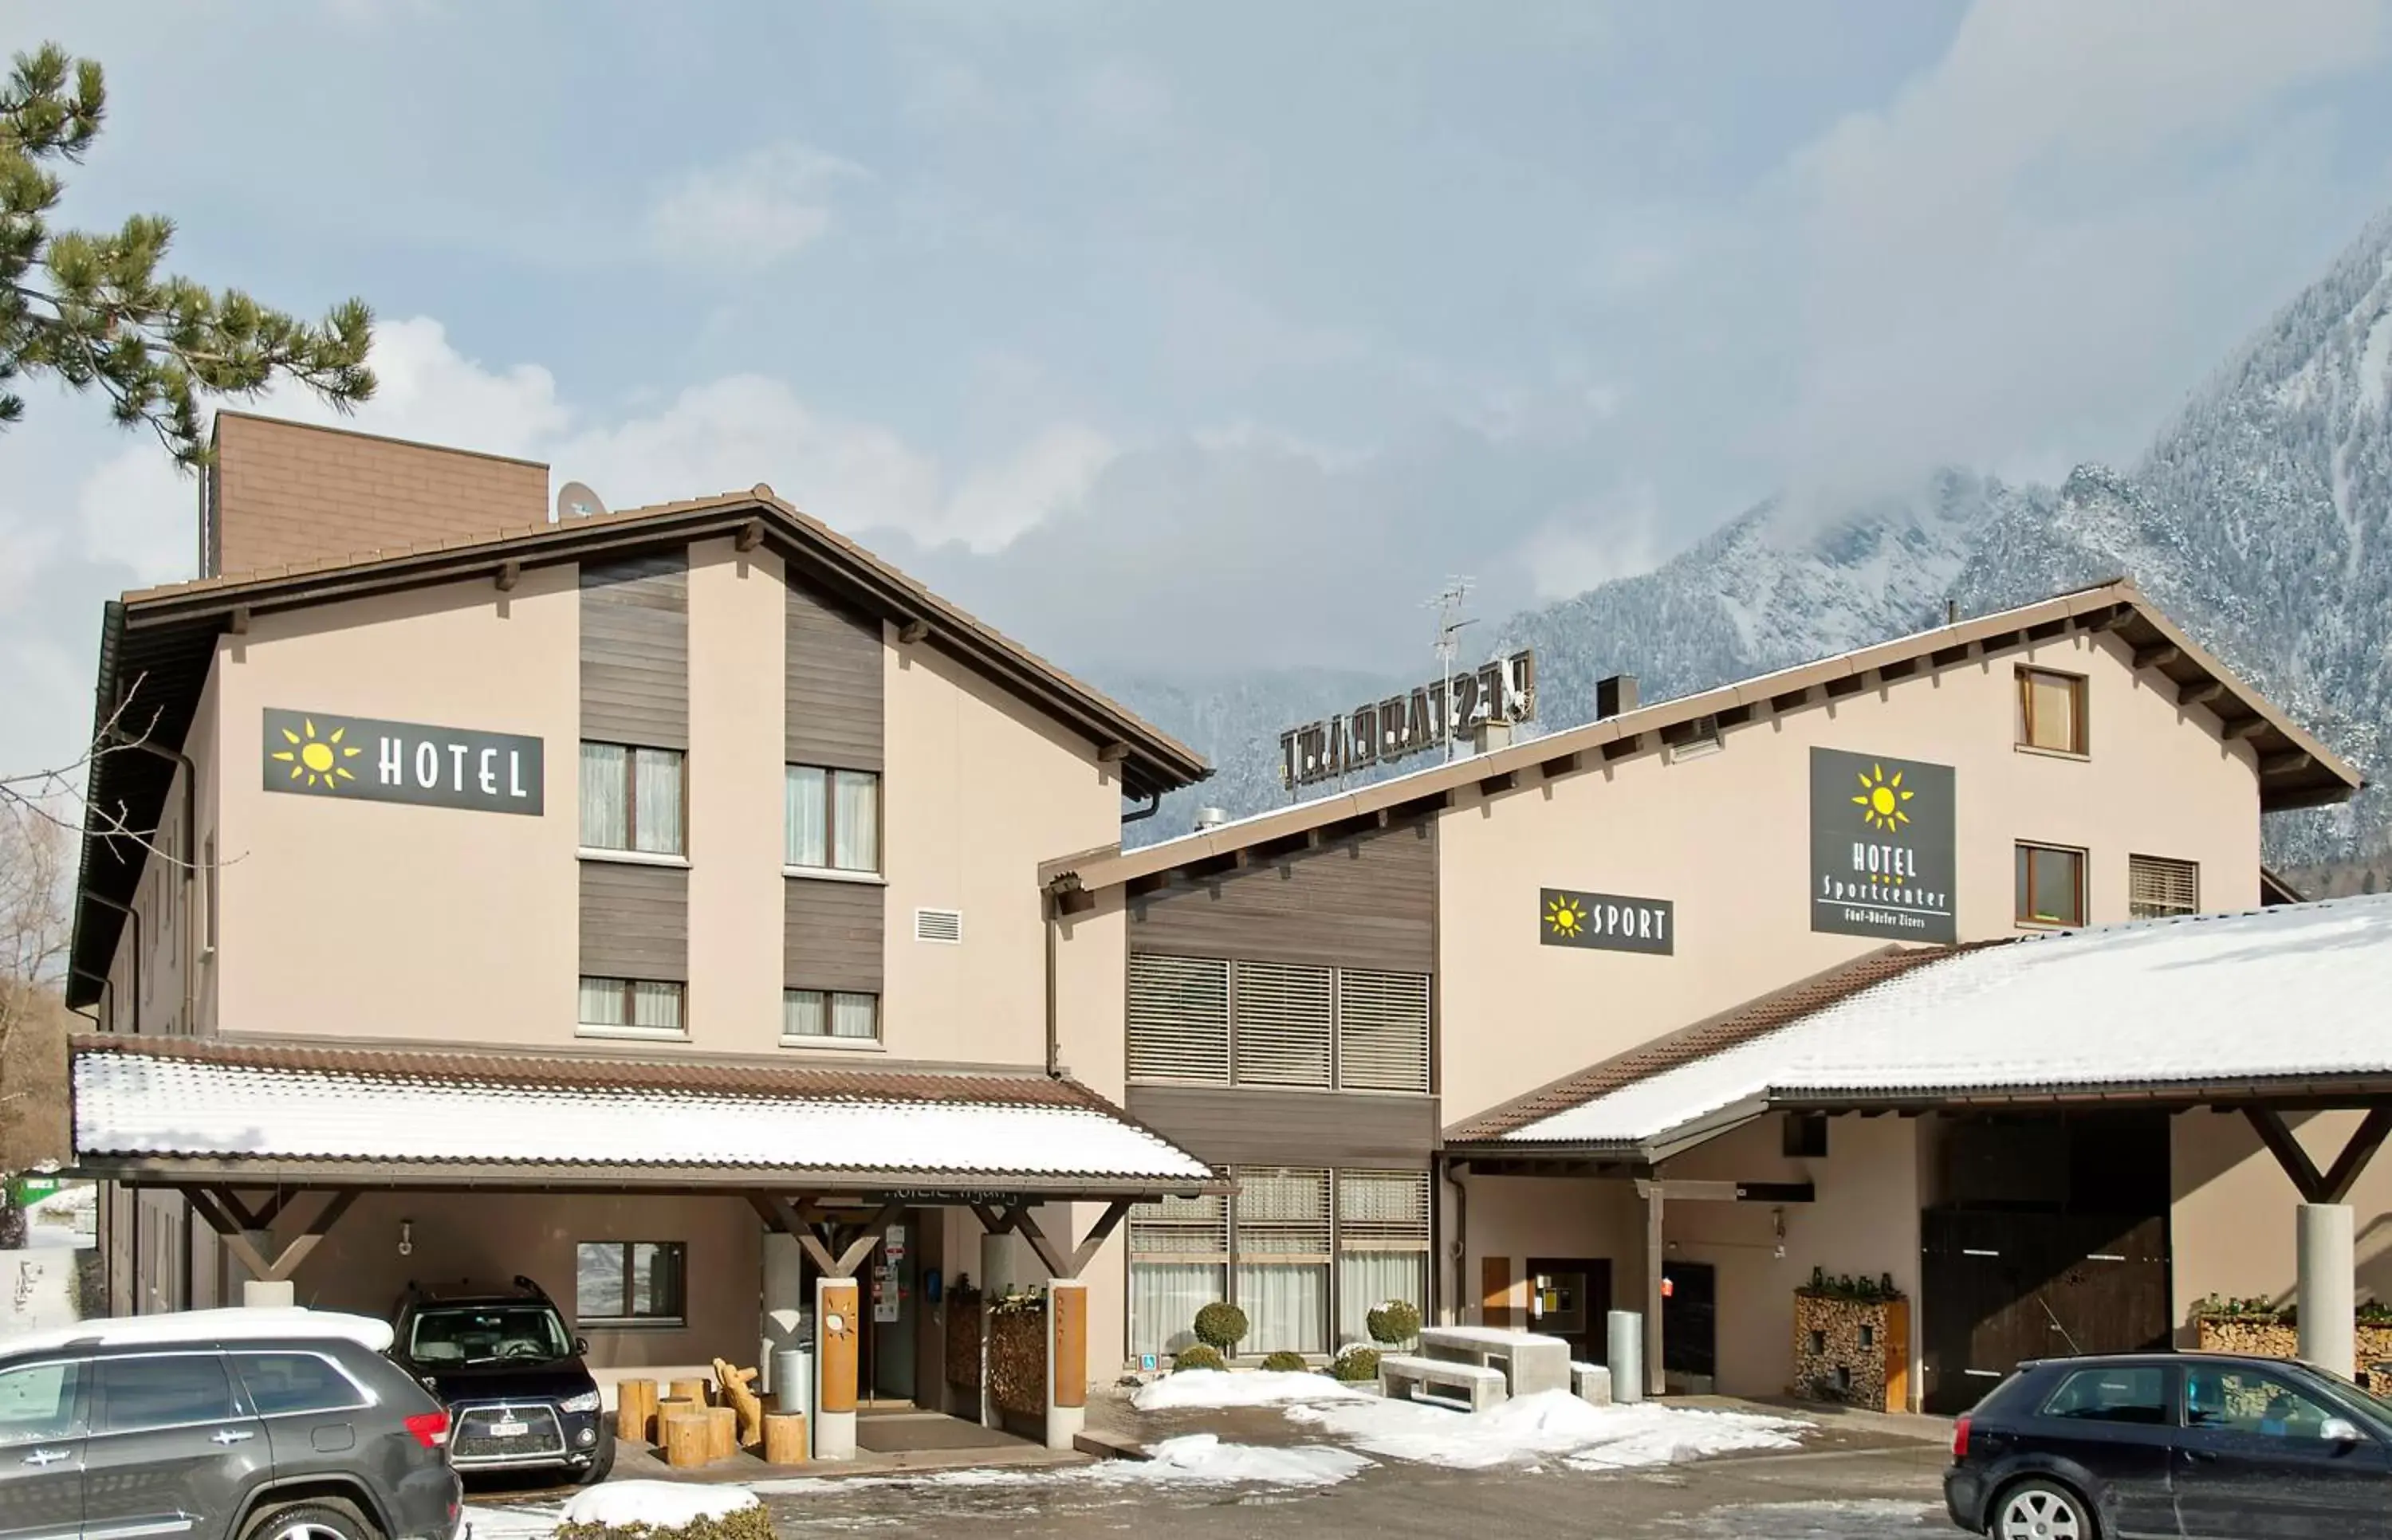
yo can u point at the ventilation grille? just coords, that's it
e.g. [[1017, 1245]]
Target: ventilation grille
[[939, 925], [1282, 1213], [1178, 1018], [1383, 1209], [2157, 887], [1382, 1031], [1282, 1025], [1182, 1226]]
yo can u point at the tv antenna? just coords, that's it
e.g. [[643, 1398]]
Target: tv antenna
[[1450, 622]]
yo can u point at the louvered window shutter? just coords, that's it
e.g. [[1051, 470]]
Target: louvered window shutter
[[1178, 1018], [1282, 1014], [1383, 1209], [1382, 1032], [1282, 1214], [2157, 887], [1191, 1229]]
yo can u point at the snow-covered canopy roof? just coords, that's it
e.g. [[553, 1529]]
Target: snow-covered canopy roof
[[346, 1112], [2276, 1003]]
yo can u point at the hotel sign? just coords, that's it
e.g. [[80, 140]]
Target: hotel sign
[[1606, 922], [1882, 847], [365, 759], [1380, 732]]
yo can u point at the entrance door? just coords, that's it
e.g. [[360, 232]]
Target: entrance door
[[891, 1297], [2001, 1288], [1568, 1298], [1689, 1326]]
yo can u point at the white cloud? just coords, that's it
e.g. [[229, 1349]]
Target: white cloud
[[752, 212], [1615, 535], [2039, 240], [1048, 474]]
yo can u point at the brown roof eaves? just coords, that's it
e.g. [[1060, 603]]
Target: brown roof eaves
[[1737, 1025], [2310, 774]]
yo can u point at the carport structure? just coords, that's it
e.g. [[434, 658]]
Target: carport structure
[[273, 1141], [2268, 1015]]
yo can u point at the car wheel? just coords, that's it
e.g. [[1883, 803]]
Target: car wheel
[[310, 1520], [2042, 1511]]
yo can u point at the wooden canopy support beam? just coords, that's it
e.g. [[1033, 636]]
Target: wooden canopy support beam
[[224, 1218], [2334, 1184], [1015, 1219], [799, 1221], [262, 1217]]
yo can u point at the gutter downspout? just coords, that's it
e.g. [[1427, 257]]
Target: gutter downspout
[[1454, 1172], [134, 915], [190, 862], [107, 992], [1153, 806], [1054, 1043]]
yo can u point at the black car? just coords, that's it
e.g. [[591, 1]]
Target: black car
[[511, 1374], [217, 1424], [2175, 1444]]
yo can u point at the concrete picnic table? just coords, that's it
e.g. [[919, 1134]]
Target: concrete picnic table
[[1530, 1361]]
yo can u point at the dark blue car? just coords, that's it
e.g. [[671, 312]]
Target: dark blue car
[[2174, 1445]]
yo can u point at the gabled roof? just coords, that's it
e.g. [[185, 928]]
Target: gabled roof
[[163, 640], [2295, 770], [331, 1112], [2267, 1006]]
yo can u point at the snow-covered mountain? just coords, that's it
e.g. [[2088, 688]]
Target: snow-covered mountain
[[2261, 518]]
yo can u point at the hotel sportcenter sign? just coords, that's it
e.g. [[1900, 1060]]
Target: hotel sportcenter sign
[[1882, 847]]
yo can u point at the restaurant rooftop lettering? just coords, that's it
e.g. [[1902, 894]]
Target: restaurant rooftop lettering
[[1379, 732]]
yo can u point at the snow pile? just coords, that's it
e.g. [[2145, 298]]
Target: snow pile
[[1204, 1459], [658, 1505], [1551, 1424], [37, 1290], [1214, 1389]]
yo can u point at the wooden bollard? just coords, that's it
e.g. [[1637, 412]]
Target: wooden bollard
[[666, 1408], [784, 1438], [635, 1410], [691, 1391], [722, 1432], [688, 1438]]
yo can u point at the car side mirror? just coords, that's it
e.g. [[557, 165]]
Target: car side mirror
[[2339, 1429], [581, 1347]]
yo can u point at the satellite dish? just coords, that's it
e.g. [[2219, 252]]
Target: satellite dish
[[575, 500]]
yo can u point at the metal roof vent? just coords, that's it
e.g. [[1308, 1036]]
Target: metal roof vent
[[1211, 817]]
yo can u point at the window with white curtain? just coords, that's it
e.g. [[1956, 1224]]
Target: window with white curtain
[[1382, 1245], [821, 1016], [832, 818], [1280, 1221], [1178, 1263], [644, 1007], [631, 798]]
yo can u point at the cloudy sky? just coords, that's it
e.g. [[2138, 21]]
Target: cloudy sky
[[1171, 336]]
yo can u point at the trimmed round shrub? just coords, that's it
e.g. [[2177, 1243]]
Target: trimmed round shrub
[[1198, 1357], [1220, 1325], [1395, 1321], [1355, 1365], [1285, 1363]]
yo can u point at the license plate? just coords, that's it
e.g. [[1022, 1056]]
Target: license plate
[[508, 1427]]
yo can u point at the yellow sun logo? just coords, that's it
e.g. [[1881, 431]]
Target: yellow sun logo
[[1567, 916], [1882, 798], [317, 760]]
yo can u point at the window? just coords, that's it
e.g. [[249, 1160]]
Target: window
[[1178, 1263], [631, 800], [528, 1333], [833, 818], [2157, 887], [37, 1401], [2248, 1401], [1382, 1245], [280, 1382], [628, 1282], [2135, 1395], [2051, 886], [1281, 1219], [163, 1390], [1280, 1036], [814, 1016], [634, 1007], [1805, 1136], [2051, 711], [1382, 1030], [1178, 1018]]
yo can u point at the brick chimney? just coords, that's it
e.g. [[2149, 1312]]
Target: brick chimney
[[282, 493]]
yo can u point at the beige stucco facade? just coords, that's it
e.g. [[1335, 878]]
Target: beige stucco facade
[[1726, 836], [2231, 1223]]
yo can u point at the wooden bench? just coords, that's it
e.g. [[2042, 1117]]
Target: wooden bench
[[1401, 1376]]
